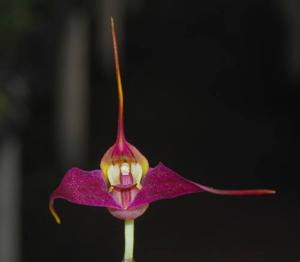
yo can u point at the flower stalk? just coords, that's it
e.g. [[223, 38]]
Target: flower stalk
[[129, 240]]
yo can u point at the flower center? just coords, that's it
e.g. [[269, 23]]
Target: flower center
[[124, 175]]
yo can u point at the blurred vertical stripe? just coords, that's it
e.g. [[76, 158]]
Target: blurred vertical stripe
[[10, 157], [73, 91]]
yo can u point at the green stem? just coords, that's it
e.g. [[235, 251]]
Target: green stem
[[129, 240]]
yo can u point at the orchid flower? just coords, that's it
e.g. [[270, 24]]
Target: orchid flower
[[125, 184]]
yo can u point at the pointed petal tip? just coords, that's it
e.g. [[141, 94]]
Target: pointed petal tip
[[112, 20], [258, 192], [243, 192], [270, 192]]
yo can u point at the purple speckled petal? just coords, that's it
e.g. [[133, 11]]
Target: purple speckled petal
[[163, 183], [83, 188]]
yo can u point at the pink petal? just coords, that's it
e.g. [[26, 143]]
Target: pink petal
[[83, 188], [163, 183]]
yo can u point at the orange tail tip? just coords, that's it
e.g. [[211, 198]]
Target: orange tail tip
[[243, 192], [53, 212]]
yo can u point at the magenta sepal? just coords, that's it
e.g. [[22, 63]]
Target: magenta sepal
[[163, 183], [89, 188], [84, 188]]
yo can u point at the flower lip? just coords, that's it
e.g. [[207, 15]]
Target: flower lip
[[121, 187]]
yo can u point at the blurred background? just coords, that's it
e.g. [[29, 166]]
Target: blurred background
[[211, 90]]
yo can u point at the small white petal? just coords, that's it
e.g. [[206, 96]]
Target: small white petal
[[113, 174], [137, 172]]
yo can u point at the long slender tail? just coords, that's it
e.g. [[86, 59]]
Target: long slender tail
[[121, 135]]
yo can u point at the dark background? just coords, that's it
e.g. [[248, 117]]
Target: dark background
[[211, 90]]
